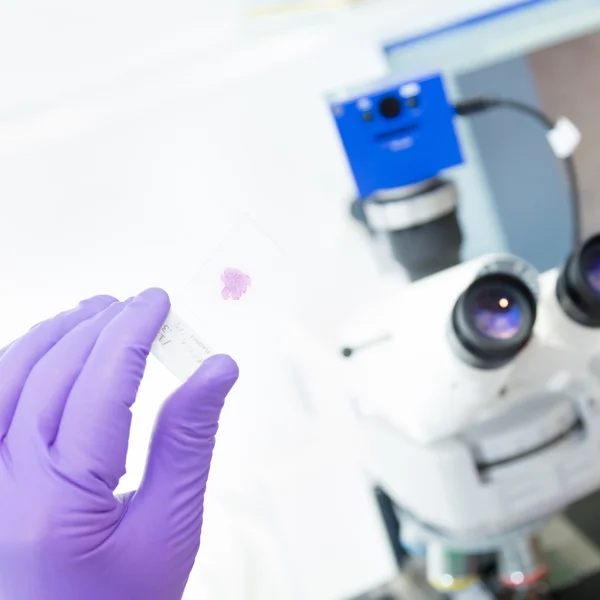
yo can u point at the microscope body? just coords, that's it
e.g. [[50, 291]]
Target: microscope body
[[476, 458], [481, 420]]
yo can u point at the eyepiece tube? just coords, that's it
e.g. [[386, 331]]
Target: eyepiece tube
[[493, 319], [578, 287]]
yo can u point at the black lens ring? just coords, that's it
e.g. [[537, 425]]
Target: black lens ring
[[574, 292], [484, 349], [390, 107]]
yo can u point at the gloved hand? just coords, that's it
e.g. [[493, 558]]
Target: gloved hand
[[66, 389]]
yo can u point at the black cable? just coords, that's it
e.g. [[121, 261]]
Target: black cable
[[479, 105]]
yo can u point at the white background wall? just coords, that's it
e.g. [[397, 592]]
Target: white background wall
[[131, 136]]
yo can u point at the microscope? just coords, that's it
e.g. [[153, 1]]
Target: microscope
[[477, 387], [481, 413]]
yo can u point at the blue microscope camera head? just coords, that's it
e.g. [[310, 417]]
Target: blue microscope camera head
[[397, 134]]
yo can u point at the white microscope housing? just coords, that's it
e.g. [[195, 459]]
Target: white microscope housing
[[480, 408]]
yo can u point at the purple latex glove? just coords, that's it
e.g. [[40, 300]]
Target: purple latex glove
[[66, 389]]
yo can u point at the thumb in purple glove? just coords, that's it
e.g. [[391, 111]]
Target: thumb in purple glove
[[66, 389]]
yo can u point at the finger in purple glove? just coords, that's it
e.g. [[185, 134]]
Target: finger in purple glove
[[24, 353], [97, 416], [57, 371], [180, 454]]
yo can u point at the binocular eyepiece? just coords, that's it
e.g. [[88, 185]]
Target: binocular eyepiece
[[493, 320], [578, 288]]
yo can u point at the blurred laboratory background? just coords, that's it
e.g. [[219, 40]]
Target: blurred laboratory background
[[375, 143]]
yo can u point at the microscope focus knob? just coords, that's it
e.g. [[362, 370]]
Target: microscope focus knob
[[525, 429]]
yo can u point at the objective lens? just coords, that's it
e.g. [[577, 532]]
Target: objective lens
[[497, 315]]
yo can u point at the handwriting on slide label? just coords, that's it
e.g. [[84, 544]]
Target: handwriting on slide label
[[179, 347], [181, 334]]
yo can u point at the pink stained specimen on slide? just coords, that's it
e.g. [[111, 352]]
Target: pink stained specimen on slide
[[236, 284]]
